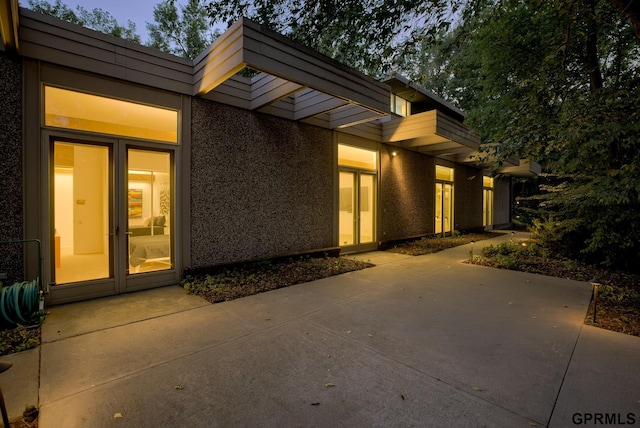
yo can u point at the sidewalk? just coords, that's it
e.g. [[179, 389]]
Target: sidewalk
[[414, 341]]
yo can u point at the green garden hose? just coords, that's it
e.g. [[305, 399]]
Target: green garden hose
[[19, 301]]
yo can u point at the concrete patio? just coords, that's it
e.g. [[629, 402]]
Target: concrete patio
[[414, 341]]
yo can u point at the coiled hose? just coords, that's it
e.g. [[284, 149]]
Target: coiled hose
[[19, 301]]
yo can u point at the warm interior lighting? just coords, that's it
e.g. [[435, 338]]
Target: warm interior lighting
[[355, 157], [93, 113]]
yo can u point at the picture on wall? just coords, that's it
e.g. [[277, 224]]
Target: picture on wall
[[135, 203]]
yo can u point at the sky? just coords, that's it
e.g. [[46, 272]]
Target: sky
[[138, 11]]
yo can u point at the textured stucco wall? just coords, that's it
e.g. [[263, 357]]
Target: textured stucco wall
[[502, 201], [467, 183], [260, 186], [407, 187], [11, 220]]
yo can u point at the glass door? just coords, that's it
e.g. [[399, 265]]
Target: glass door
[[112, 230], [357, 219], [149, 207], [83, 210], [444, 208]]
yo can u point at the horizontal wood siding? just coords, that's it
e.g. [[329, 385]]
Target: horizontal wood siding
[[274, 54], [49, 39]]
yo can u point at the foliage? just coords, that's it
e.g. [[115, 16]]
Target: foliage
[[257, 277], [185, 32], [559, 83], [433, 244], [366, 35], [97, 19], [619, 295], [19, 339]]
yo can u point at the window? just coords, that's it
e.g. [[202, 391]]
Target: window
[[85, 112], [487, 198], [357, 158], [400, 106]]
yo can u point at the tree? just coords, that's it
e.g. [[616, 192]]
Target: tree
[[97, 19], [557, 82], [185, 33], [366, 35]]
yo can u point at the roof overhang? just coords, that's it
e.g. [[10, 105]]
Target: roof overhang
[[9, 24], [293, 81], [433, 133], [525, 168]]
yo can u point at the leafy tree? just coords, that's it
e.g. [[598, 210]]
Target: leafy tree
[[97, 19], [558, 82], [184, 33], [366, 35]]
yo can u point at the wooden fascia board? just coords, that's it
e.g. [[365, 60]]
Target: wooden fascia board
[[223, 59], [52, 40], [409, 127], [270, 89], [351, 115], [9, 24], [275, 54]]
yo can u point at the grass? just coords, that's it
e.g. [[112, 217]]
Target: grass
[[258, 277], [433, 244], [619, 295]]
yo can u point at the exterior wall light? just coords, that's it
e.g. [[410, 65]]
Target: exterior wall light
[[394, 153]]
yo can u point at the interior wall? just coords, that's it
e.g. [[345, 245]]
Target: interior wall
[[11, 220], [260, 186], [468, 201], [407, 193]]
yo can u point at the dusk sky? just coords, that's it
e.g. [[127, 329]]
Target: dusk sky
[[138, 11]]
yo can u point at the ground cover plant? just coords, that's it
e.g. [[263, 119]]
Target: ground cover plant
[[433, 244], [257, 277], [618, 303]]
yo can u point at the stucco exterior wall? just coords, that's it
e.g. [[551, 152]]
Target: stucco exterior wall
[[467, 197], [260, 186], [502, 201], [407, 187], [11, 220]]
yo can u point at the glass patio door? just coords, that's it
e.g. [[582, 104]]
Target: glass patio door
[[149, 207], [357, 210], [83, 212], [444, 208], [111, 215]]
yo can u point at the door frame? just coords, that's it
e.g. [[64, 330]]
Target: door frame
[[121, 281]]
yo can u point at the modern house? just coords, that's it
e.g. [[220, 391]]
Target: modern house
[[132, 166]]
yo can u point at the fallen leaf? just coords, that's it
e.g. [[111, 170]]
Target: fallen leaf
[[117, 415], [555, 326], [329, 385], [315, 404], [533, 424], [402, 396], [348, 331], [477, 388], [180, 387], [370, 335]]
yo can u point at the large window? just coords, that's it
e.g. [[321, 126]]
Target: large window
[[85, 112]]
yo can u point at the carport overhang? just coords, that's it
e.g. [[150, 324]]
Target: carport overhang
[[292, 81]]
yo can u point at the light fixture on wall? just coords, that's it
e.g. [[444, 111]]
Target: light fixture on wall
[[394, 153]]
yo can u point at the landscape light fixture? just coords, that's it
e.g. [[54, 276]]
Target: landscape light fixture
[[596, 286]]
